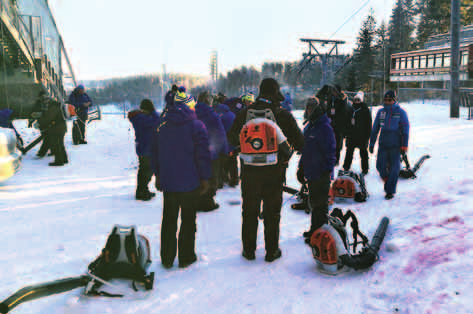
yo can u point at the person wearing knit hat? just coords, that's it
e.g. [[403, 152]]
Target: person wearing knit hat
[[181, 161], [392, 125], [145, 122], [82, 102], [338, 108], [317, 162], [263, 183], [358, 133]]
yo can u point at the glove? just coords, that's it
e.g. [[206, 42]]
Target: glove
[[300, 175], [371, 149], [204, 187], [404, 149]]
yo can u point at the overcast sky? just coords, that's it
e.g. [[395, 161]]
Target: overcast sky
[[112, 38]]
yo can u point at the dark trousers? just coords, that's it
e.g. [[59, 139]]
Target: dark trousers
[[363, 147], [56, 143], [173, 203], [43, 150], [78, 130], [230, 169], [388, 164], [261, 184], [339, 144], [206, 201], [318, 200], [145, 173]]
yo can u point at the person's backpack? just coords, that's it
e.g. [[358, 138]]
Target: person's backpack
[[126, 255], [261, 139], [349, 186]]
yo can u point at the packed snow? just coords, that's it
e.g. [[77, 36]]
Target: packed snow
[[55, 221]]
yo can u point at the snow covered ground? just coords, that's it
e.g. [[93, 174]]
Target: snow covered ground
[[55, 222]]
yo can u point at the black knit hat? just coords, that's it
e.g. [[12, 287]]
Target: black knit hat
[[269, 88], [390, 94]]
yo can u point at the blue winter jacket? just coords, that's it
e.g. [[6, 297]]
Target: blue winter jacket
[[217, 135], [78, 100], [5, 118], [319, 153], [394, 125], [181, 155], [226, 115], [145, 125]]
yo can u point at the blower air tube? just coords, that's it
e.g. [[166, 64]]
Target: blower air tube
[[369, 255], [42, 290]]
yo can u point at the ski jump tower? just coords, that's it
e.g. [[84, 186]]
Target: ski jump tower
[[330, 61]]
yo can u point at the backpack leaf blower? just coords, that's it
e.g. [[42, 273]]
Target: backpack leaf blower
[[126, 255]]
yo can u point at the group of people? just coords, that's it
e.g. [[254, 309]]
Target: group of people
[[192, 146], [53, 127]]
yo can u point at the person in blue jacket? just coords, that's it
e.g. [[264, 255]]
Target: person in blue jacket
[[392, 125], [287, 102], [229, 170], [218, 146], [317, 162], [182, 166], [145, 122], [81, 102]]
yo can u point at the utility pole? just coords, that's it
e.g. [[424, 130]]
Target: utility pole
[[455, 58], [325, 59]]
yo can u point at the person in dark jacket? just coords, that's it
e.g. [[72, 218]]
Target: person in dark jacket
[[218, 147], [263, 184], [229, 168], [54, 125], [393, 123], [358, 133], [337, 110], [317, 162], [182, 166], [145, 123], [81, 102]]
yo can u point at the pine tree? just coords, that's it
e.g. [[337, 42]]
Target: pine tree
[[401, 26], [364, 55], [434, 18]]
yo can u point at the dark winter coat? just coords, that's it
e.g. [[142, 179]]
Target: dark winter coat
[[284, 120], [145, 125], [359, 123], [394, 125], [338, 112], [234, 104], [52, 120], [78, 100], [181, 155], [226, 116], [5, 118], [217, 135], [319, 153]]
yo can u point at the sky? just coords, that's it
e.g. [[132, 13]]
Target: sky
[[106, 38], [55, 221]]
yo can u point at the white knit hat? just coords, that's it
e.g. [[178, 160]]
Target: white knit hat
[[359, 95]]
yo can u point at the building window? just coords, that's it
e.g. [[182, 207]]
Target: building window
[[430, 61], [416, 62], [464, 58], [446, 60], [438, 60], [397, 64], [423, 62], [403, 63], [409, 63]]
